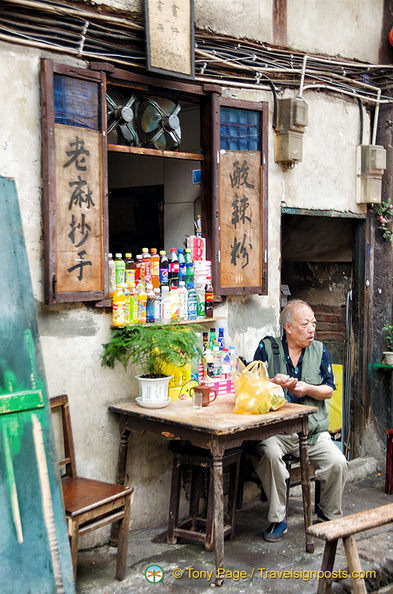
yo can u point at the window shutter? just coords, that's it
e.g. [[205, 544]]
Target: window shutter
[[75, 183], [239, 190]]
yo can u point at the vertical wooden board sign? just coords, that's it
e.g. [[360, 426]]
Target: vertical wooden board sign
[[34, 548], [240, 219], [79, 233]]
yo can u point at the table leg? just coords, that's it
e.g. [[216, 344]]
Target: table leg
[[218, 522], [121, 468], [305, 477]]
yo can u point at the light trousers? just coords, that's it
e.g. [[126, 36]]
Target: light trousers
[[331, 470]]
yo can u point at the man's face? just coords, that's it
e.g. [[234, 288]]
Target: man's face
[[300, 333]]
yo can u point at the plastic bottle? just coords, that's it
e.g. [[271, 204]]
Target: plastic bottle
[[195, 362], [183, 295], [175, 303], [165, 304], [127, 304], [209, 298], [205, 337], [164, 269], [111, 275], [150, 303], [191, 302], [139, 269], [120, 270], [146, 260], [234, 360], [200, 291], [182, 265], [189, 266], [221, 339], [173, 268], [157, 305], [226, 363], [133, 314], [142, 302], [119, 308], [130, 269], [155, 268], [212, 338], [217, 362]]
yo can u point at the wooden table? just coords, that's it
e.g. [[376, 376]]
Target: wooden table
[[217, 428]]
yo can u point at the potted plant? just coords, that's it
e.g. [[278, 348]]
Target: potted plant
[[153, 348], [388, 329]]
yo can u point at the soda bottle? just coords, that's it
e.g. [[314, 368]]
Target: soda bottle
[[155, 268], [146, 260], [139, 269], [189, 266], [175, 303], [191, 302], [212, 338], [234, 360], [164, 269], [111, 275], [182, 265], [209, 363], [130, 269], [221, 339], [119, 308], [209, 298], [133, 315], [127, 304], [183, 295], [205, 337], [200, 291], [150, 303], [165, 304], [173, 269], [142, 302], [157, 305], [120, 270]]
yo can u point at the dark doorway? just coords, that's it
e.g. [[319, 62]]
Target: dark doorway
[[136, 219]]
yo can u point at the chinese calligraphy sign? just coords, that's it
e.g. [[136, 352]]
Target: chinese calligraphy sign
[[240, 219], [170, 36], [78, 209]]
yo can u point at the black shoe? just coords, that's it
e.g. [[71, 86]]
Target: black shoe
[[321, 515], [275, 532]]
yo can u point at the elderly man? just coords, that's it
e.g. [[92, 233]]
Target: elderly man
[[305, 374]]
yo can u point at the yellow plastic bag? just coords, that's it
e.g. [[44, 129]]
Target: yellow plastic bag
[[255, 394]]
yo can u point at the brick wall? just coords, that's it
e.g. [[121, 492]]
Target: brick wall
[[331, 330]]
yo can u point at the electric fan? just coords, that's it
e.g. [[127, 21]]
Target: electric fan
[[158, 123], [121, 121]]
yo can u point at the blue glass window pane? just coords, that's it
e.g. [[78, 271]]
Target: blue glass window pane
[[76, 102], [240, 129]]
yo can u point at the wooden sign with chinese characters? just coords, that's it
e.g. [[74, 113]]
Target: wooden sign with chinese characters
[[240, 219], [79, 233], [170, 37]]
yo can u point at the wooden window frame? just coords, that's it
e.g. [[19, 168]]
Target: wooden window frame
[[217, 102], [48, 70]]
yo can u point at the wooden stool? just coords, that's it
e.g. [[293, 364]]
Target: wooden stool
[[196, 527]]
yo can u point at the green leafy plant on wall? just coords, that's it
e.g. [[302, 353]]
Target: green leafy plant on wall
[[388, 329], [152, 348], [384, 216]]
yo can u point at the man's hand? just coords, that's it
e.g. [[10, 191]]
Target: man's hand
[[285, 381]]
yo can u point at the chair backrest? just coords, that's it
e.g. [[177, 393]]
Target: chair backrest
[[60, 403]]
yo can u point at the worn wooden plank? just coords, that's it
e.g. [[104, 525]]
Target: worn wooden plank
[[354, 523], [351, 552]]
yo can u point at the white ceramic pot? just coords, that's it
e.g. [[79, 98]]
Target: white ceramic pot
[[153, 389], [388, 358]]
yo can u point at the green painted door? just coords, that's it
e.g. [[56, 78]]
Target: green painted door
[[34, 549]]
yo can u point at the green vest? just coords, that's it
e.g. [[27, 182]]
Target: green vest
[[311, 364]]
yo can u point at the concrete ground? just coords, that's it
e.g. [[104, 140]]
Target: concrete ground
[[251, 564]]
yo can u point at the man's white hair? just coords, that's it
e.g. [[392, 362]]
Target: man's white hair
[[289, 310]]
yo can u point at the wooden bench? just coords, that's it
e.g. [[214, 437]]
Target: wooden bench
[[346, 528]]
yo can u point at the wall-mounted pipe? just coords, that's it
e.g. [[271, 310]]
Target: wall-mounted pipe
[[302, 76]]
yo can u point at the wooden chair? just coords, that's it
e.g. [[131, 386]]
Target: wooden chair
[[90, 504]]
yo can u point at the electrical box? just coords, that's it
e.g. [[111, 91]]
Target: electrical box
[[292, 115], [288, 147], [373, 160], [371, 164]]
